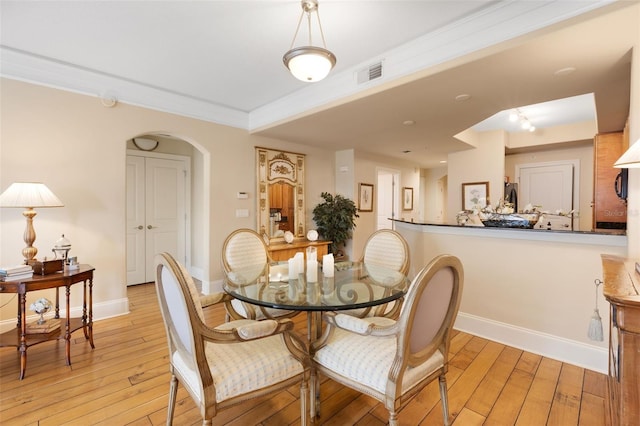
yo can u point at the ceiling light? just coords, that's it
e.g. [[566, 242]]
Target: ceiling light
[[564, 71], [463, 97], [309, 63], [518, 116], [408, 122]]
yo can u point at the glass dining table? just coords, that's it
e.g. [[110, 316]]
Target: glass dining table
[[352, 286]]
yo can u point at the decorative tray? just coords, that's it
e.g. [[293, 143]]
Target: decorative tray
[[497, 220]]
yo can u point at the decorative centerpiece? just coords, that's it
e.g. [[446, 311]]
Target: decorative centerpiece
[[503, 215], [41, 307]]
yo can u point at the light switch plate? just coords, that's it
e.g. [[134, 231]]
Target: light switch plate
[[242, 212]]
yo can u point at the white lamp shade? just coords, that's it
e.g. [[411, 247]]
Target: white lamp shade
[[630, 159], [29, 195], [309, 63]]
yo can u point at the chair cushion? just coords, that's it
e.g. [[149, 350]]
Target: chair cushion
[[367, 359], [238, 368]]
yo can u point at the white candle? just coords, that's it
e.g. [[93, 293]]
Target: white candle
[[292, 269], [327, 265], [299, 261], [312, 271]]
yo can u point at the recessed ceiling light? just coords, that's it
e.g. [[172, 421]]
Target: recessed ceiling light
[[564, 71], [463, 97], [408, 122], [443, 161]]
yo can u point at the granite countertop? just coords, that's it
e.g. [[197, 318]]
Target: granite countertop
[[545, 231]]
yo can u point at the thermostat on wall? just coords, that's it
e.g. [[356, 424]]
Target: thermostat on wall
[[242, 195]]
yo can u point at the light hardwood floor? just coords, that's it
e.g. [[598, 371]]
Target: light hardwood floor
[[125, 381]]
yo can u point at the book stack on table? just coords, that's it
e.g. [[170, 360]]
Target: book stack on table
[[15, 273]]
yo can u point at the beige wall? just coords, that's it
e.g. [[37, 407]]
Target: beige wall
[[366, 167], [78, 147], [482, 164]]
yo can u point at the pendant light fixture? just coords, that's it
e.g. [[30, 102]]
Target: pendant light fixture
[[309, 63]]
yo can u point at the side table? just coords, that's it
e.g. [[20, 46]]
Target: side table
[[19, 337]]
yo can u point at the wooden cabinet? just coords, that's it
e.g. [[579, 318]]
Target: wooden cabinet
[[609, 211], [283, 251], [621, 289]]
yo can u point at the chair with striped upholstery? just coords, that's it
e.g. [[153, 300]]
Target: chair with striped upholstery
[[388, 249], [245, 259], [231, 363], [391, 360]]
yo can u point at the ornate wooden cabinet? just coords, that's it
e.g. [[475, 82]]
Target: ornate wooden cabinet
[[622, 290]]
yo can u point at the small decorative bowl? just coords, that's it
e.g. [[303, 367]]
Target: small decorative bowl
[[312, 235]]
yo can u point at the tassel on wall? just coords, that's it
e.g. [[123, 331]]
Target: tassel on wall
[[595, 325]]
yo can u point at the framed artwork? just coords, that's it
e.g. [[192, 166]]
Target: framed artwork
[[407, 198], [475, 194], [365, 197]]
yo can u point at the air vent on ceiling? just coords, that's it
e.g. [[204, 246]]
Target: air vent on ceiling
[[370, 73]]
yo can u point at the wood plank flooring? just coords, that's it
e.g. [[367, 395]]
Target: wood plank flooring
[[125, 381]]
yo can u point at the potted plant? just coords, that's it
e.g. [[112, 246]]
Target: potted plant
[[335, 219]]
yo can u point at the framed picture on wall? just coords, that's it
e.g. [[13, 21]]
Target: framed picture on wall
[[407, 198], [365, 197], [475, 194]]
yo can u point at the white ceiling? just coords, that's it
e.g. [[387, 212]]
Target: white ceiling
[[221, 61]]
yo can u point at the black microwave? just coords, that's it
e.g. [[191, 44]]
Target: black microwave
[[620, 184]]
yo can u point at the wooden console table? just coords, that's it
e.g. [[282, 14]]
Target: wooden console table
[[19, 337], [285, 251], [622, 290]]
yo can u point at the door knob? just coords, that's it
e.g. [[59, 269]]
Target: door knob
[[150, 227], [140, 227]]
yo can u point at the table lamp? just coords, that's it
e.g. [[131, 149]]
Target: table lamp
[[29, 195]]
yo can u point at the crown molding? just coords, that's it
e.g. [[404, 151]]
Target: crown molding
[[502, 21], [23, 66]]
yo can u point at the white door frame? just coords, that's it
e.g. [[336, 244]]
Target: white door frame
[[395, 182], [187, 164]]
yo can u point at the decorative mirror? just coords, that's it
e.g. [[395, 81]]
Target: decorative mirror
[[280, 189]]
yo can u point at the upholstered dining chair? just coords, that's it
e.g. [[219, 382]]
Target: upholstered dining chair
[[245, 259], [392, 360], [231, 363], [388, 249]]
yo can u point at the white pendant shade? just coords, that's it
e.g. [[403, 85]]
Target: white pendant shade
[[309, 63], [29, 194], [630, 159]]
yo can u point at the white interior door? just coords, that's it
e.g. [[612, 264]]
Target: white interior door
[[547, 185], [387, 198], [156, 214], [136, 267]]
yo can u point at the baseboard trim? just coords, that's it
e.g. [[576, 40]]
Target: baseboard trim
[[102, 310], [570, 351]]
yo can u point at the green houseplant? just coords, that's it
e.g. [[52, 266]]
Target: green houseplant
[[335, 219]]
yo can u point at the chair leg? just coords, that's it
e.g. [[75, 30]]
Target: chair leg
[[312, 397], [173, 390], [304, 395], [393, 418], [444, 399]]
